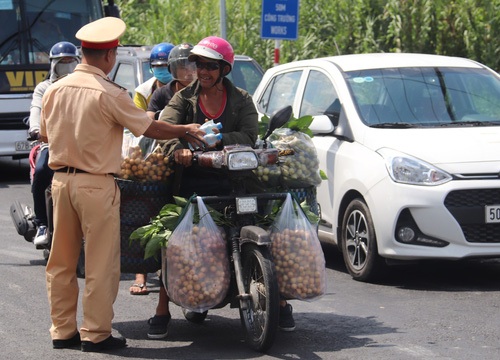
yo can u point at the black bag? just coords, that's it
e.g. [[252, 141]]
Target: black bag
[[140, 202]]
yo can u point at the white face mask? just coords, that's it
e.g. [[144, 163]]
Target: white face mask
[[65, 68]]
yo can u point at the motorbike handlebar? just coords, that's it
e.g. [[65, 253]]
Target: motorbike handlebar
[[220, 158], [33, 136]]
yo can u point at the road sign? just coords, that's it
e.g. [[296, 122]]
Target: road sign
[[280, 19]]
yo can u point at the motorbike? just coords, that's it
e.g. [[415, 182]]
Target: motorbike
[[23, 215], [253, 285]]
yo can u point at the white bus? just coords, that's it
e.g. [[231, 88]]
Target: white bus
[[29, 29]]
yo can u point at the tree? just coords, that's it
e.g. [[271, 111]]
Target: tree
[[466, 28]]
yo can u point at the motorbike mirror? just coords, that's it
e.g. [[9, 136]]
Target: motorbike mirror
[[278, 119]]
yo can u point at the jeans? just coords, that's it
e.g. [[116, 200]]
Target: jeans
[[41, 180]]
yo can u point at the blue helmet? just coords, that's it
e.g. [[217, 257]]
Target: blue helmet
[[63, 49], [159, 54]]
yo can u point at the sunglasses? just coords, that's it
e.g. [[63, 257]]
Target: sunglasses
[[210, 66]]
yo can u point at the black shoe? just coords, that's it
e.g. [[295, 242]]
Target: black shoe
[[111, 343], [194, 316], [286, 322], [68, 343], [158, 326]]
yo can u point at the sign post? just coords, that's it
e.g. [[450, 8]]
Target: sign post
[[280, 21]]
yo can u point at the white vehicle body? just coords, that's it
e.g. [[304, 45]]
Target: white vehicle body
[[430, 187]]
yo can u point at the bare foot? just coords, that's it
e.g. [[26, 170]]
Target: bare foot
[[139, 287]]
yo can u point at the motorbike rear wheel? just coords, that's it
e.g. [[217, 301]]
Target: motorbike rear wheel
[[260, 318]]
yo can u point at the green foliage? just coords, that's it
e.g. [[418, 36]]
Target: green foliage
[[467, 28], [156, 234], [298, 124]]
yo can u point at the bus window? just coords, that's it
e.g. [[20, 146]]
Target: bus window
[[30, 28]]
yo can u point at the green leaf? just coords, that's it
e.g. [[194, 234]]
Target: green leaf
[[140, 232], [180, 201], [147, 237], [165, 236], [168, 209], [263, 125], [301, 124], [170, 222], [323, 176], [153, 246]]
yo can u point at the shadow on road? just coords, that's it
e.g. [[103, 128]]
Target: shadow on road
[[14, 172], [221, 338]]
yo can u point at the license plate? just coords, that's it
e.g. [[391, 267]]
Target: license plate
[[23, 146], [492, 214], [247, 205]]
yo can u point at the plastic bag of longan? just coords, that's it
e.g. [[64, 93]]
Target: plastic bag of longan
[[143, 160], [132, 156], [299, 164], [297, 254], [197, 261]]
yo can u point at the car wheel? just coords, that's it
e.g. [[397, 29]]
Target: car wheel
[[359, 243]]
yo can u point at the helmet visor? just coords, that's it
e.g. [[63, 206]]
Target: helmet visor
[[183, 70]]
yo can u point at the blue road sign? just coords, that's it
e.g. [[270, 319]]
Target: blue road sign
[[280, 19]]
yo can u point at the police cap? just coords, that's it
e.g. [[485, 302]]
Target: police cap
[[102, 34]]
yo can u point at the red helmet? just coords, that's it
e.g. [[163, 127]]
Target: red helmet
[[215, 48]]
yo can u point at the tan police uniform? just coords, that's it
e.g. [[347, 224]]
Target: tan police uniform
[[83, 117]]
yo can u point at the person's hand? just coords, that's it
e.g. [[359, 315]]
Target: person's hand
[[34, 135], [195, 136], [183, 157]]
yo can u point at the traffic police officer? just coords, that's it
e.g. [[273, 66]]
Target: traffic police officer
[[83, 118]]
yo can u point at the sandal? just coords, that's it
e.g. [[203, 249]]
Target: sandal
[[141, 287]]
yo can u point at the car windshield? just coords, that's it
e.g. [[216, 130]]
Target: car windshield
[[245, 75], [430, 97], [147, 73]]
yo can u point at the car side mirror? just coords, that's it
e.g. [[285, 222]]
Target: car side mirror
[[333, 112], [321, 124]]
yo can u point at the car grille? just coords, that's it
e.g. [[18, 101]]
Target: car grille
[[13, 121], [467, 206]]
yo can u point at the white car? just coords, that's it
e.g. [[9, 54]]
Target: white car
[[411, 147]]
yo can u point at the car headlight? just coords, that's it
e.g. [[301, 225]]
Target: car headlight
[[242, 160], [407, 169]]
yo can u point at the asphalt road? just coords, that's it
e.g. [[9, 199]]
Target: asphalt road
[[436, 310]]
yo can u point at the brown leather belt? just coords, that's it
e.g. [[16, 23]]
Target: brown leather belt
[[72, 170], [69, 169]]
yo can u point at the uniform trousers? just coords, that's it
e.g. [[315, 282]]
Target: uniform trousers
[[88, 206]]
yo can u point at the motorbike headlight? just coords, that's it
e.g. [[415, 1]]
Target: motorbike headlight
[[242, 160], [407, 169]]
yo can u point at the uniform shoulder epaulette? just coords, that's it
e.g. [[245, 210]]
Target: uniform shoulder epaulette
[[115, 84]]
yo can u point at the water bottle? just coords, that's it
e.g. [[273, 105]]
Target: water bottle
[[212, 138], [209, 126]]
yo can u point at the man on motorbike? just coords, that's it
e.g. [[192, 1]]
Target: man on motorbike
[[158, 65], [64, 57], [183, 73], [158, 60], [211, 97]]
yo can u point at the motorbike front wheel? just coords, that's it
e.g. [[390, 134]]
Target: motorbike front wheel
[[260, 318]]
